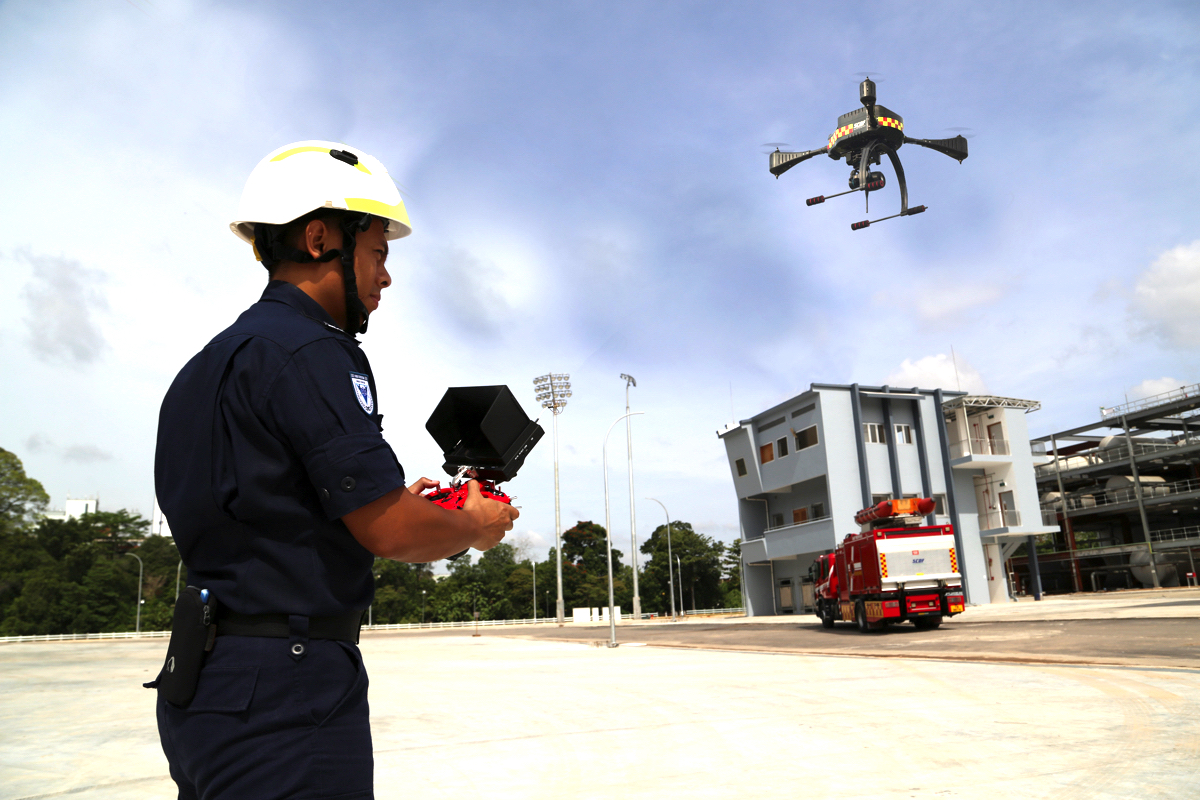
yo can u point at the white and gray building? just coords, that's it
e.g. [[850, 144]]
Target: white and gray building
[[803, 468]]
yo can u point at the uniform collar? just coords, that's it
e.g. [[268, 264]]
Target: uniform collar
[[291, 295]]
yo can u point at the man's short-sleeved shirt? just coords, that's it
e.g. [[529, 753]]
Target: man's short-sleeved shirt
[[266, 438]]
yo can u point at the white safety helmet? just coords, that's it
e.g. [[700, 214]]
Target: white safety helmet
[[305, 176]]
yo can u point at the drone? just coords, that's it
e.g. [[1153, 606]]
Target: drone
[[862, 137]]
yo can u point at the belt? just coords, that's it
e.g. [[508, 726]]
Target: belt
[[343, 627]]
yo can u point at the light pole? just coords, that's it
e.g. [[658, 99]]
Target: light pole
[[138, 627], [422, 606], [612, 620], [681, 611], [637, 596], [553, 389], [533, 569], [670, 566]]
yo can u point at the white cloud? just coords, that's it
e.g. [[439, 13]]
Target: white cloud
[[944, 303], [86, 454], [1153, 386], [938, 372], [1166, 298], [63, 297]]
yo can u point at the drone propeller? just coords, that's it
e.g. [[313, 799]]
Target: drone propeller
[[782, 162], [968, 133], [956, 148], [773, 146], [866, 223]]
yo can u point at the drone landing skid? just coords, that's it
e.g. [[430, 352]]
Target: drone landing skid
[[866, 223]]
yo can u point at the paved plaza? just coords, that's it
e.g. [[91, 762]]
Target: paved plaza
[[499, 716]]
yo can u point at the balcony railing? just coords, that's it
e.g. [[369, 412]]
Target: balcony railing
[[1037, 448], [990, 520], [1049, 516], [776, 528], [979, 447]]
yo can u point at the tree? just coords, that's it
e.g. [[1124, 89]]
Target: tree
[[585, 568], [699, 573], [22, 499], [731, 567]]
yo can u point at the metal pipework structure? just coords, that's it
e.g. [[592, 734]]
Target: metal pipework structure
[[612, 620], [552, 390], [637, 595]]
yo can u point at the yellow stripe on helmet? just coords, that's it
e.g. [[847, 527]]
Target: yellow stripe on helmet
[[311, 149], [379, 209]]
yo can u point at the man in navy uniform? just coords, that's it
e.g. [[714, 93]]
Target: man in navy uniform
[[280, 492]]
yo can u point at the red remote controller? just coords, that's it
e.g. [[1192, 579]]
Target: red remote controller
[[454, 495]]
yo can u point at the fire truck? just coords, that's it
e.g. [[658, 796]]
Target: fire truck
[[893, 570]]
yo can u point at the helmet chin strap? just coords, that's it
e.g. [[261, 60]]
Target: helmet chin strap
[[356, 311], [271, 249]]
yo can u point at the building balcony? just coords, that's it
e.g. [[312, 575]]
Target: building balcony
[[991, 520], [974, 453], [810, 536]]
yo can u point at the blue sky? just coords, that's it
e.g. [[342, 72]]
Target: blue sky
[[589, 194]]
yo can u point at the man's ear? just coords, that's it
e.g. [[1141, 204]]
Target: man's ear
[[320, 237]]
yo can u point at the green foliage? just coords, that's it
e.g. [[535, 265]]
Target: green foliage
[[701, 568], [72, 576], [22, 499]]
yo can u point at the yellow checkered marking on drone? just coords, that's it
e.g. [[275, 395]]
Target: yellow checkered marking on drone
[[846, 130]]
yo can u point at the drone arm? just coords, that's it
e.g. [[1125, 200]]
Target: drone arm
[[895, 159], [956, 148], [782, 162]]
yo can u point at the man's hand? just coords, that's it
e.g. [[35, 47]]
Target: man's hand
[[494, 517], [421, 484], [404, 526]]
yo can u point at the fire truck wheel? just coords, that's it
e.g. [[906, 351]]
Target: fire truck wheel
[[826, 616], [928, 623], [860, 617]]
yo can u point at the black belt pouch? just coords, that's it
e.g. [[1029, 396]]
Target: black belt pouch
[[193, 630]]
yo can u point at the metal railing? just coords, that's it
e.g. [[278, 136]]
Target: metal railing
[[809, 521], [713, 612], [71, 637], [1182, 393], [979, 447], [1129, 494], [990, 520], [1175, 534], [1107, 455]]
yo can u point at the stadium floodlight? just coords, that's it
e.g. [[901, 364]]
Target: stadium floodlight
[[552, 391]]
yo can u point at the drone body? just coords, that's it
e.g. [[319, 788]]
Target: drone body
[[862, 137]]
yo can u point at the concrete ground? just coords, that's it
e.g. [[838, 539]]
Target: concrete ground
[[498, 716]]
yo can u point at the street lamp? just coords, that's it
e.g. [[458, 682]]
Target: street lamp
[[533, 569], [681, 611], [670, 566], [612, 620], [637, 595], [422, 606], [553, 389], [138, 627]]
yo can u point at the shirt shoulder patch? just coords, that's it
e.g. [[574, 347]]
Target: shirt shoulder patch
[[362, 391]]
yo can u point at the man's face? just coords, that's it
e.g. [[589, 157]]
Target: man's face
[[370, 270]]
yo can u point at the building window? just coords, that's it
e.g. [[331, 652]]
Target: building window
[[806, 438], [799, 515], [939, 505], [741, 467], [873, 433], [777, 520], [766, 453], [781, 446], [818, 510], [904, 434], [876, 499]]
